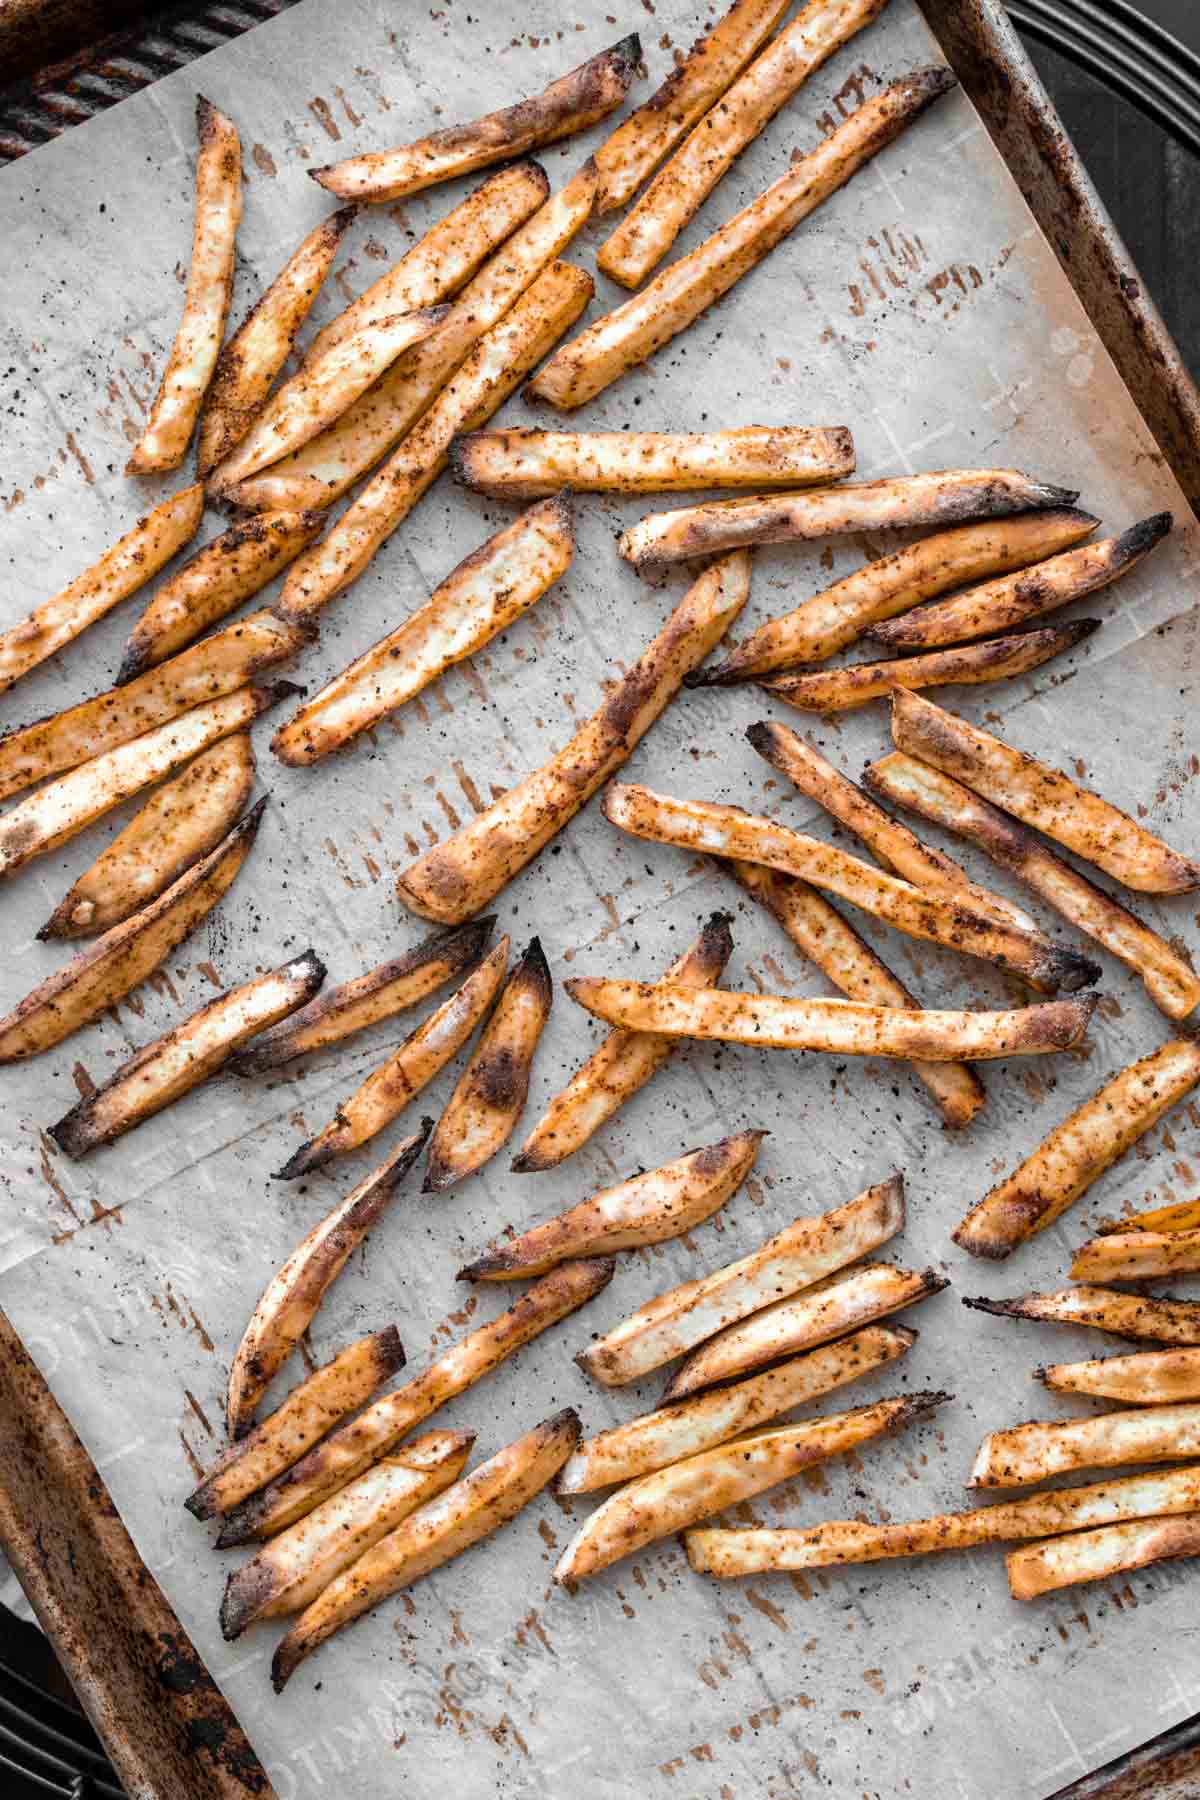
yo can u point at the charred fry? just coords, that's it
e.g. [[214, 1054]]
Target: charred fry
[[1137, 1256], [516, 464], [1148, 1378], [1029, 1453], [1162, 1320], [1094, 1555]]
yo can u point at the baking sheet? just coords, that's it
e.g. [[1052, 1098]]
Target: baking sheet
[[922, 307]]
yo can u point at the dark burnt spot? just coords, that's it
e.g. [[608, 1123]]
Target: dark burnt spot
[[501, 1080], [621, 709], [178, 1667]]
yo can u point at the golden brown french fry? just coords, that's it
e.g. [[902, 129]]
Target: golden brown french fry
[[482, 596], [519, 464], [228, 570], [290, 1571], [1166, 972], [262, 343], [673, 1498], [828, 1310], [168, 429], [121, 571], [489, 1098], [802, 1253], [114, 964], [668, 1435], [1182, 1215], [362, 1441], [1027, 1453], [289, 1301], [456, 878], [677, 193], [390, 988], [1077, 1152], [1162, 1320], [1094, 1555], [1012, 599], [388, 1089], [1147, 1378], [330, 1393], [1137, 1256], [662, 1203], [170, 1066], [673, 300], [182, 821], [472, 1509], [1041, 796], [569, 105], [621, 1066]]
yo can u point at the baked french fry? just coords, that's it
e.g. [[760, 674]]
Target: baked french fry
[[362, 1441], [622, 339], [174, 409], [672, 1433], [1077, 1152], [472, 1509], [518, 464], [388, 1089], [1181, 1215], [621, 1066], [1158, 1318], [162, 1071], [289, 1301], [456, 878], [182, 821], [1137, 1256], [1027, 1453], [489, 1098], [1041, 796], [1094, 1555], [802, 1253], [338, 1388], [482, 596], [1147, 1378], [121, 571]]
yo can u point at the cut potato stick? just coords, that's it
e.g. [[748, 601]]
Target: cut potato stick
[[677, 193], [1161, 1319], [1041, 796], [112, 966], [657, 1439], [1094, 1555], [838, 1305], [483, 1110], [472, 1509], [289, 1301], [456, 878], [289, 1573], [663, 1203], [367, 999], [484, 595], [621, 1066], [838, 1542], [182, 821], [802, 1253], [262, 343], [1011, 600], [172, 1065], [1137, 1256], [641, 141], [1148, 1378], [388, 1089], [173, 412], [1028, 1453], [673, 1498], [337, 1388], [517, 464], [121, 571], [1182, 1215], [362, 1441], [620, 341], [1077, 1152]]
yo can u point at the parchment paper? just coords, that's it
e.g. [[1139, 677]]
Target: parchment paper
[[922, 307]]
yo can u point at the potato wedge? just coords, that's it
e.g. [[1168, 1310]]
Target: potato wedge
[[330, 1393], [625, 338], [289, 1301], [471, 1509], [174, 409], [1041, 796], [457, 877], [672, 1499], [672, 1433], [517, 464], [482, 596], [388, 1089], [1182, 1215], [362, 1441], [482, 1112], [1137, 1256], [621, 1066], [1094, 1555], [182, 821], [121, 571], [170, 1066], [1147, 1378], [802, 1253], [1159, 1318], [1077, 1152], [289, 1572], [1027, 1453]]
